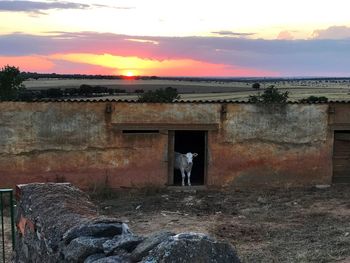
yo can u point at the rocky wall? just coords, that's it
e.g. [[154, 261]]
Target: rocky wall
[[58, 223]]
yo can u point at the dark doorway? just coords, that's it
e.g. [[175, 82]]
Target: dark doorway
[[341, 157], [194, 142]]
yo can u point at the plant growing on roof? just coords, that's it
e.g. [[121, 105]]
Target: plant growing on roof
[[313, 99]]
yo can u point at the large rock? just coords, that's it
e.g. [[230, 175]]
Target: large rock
[[113, 259], [120, 243], [149, 243], [102, 227], [94, 257], [82, 247], [101, 258], [193, 248]]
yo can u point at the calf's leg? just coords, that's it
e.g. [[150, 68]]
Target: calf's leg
[[183, 177], [189, 178]]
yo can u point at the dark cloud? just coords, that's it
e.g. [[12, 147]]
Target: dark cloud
[[333, 32], [38, 7], [288, 57], [231, 33]]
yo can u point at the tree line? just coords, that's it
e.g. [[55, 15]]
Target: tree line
[[12, 88]]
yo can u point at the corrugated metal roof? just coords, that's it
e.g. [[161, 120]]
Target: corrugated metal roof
[[95, 100]]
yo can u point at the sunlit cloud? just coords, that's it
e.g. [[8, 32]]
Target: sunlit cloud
[[114, 7], [231, 33], [223, 56], [143, 41], [169, 67]]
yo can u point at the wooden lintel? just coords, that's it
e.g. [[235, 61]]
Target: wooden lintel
[[340, 126], [165, 126]]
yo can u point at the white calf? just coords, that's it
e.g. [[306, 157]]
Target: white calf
[[184, 162]]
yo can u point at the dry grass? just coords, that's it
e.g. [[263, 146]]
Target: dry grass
[[206, 90]]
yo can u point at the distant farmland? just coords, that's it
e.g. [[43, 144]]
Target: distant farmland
[[206, 90]]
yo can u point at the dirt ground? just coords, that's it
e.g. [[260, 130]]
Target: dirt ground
[[276, 225]]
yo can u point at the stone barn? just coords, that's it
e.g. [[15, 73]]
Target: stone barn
[[130, 144]]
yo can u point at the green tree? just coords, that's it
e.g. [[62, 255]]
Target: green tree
[[270, 95], [159, 95], [256, 86], [10, 83]]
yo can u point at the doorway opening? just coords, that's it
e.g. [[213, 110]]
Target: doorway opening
[[341, 157], [194, 142]]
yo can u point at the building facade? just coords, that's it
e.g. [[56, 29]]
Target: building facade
[[129, 144]]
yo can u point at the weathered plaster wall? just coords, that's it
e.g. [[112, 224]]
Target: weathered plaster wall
[[272, 145], [190, 113], [339, 115], [75, 142], [81, 143]]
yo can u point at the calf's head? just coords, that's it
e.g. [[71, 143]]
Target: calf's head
[[190, 156]]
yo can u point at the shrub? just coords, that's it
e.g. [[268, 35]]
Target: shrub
[[54, 93], [270, 95], [71, 92], [256, 86], [160, 95]]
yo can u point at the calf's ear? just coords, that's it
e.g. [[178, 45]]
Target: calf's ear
[[195, 154]]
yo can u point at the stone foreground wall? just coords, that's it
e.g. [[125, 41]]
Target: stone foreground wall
[[57, 223]]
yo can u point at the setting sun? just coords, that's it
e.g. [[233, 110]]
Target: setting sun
[[129, 74]]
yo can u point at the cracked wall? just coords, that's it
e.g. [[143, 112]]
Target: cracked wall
[[80, 142], [272, 145]]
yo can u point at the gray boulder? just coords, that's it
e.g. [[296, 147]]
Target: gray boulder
[[94, 257], [194, 248], [192, 235], [82, 247], [96, 228], [113, 259], [122, 242], [149, 243]]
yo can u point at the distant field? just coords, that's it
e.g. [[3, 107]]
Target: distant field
[[206, 90]]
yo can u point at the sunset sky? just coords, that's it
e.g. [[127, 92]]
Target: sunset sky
[[221, 38]]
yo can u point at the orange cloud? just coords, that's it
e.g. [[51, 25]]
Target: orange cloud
[[285, 35], [106, 64], [171, 67], [28, 63]]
